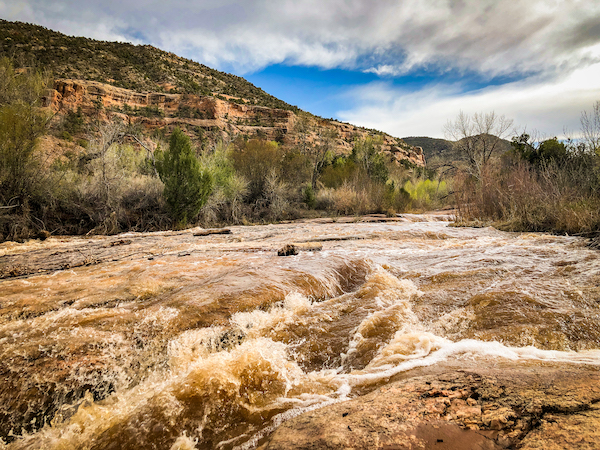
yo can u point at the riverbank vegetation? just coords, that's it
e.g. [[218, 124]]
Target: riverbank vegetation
[[83, 175], [108, 176], [537, 185]]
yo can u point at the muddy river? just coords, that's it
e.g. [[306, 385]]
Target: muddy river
[[175, 341]]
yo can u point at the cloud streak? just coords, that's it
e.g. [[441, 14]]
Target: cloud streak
[[491, 37]]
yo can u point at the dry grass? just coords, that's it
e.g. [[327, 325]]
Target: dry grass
[[522, 198], [353, 198]]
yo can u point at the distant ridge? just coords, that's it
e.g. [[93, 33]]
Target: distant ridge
[[433, 148], [439, 152]]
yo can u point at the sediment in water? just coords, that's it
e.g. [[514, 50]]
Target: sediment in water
[[170, 341]]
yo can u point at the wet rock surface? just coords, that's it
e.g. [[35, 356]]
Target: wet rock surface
[[294, 249], [535, 407]]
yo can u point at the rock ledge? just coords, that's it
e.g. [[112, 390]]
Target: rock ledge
[[537, 407]]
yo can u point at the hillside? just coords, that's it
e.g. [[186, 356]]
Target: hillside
[[439, 152], [88, 161], [207, 119], [159, 90], [436, 151], [141, 68]]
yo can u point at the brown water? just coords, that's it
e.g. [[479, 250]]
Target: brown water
[[170, 341]]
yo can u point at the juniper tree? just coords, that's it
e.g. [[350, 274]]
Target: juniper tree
[[367, 154], [187, 185]]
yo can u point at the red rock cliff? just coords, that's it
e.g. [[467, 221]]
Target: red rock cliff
[[218, 116]]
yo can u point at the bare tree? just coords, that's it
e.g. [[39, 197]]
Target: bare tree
[[590, 128], [104, 163], [303, 128], [319, 153], [478, 138], [316, 143]]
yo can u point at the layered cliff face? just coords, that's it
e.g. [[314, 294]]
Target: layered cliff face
[[159, 90], [214, 117]]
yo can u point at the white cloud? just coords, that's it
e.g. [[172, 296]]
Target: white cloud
[[489, 36], [549, 107]]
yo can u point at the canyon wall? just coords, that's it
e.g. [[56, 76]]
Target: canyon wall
[[213, 117]]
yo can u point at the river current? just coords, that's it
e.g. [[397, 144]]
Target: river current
[[175, 341]]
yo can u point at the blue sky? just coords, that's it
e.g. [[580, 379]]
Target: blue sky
[[402, 66], [320, 91], [326, 92]]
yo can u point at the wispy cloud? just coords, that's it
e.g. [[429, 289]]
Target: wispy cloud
[[492, 37]]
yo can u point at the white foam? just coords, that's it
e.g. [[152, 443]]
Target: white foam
[[184, 442], [393, 307], [254, 323], [441, 350], [407, 346], [161, 316], [193, 345]]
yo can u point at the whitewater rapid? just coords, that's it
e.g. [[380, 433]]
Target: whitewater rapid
[[185, 342]]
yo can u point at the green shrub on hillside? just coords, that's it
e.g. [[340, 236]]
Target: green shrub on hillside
[[187, 184], [73, 122]]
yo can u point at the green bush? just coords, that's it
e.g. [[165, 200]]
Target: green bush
[[309, 197], [366, 153], [425, 194], [396, 198], [539, 154], [187, 185], [256, 160], [66, 136], [73, 122], [151, 111], [339, 172], [225, 203], [21, 124]]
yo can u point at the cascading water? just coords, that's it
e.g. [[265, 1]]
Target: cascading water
[[171, 341]]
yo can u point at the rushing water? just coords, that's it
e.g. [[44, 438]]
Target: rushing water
[[182, 342]]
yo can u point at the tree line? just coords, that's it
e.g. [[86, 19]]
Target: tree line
[[539, 184], [117, 179]]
